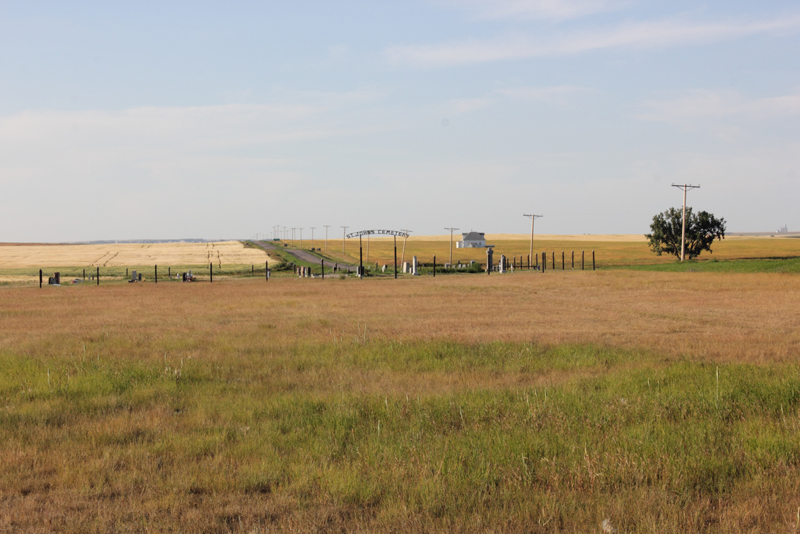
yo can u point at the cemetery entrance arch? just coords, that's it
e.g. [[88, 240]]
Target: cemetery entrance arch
[[361, 233]]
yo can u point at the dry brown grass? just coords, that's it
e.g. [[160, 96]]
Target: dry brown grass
[[144, 464], [738, 317]]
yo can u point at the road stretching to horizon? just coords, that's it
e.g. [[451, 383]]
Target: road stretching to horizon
[[304, 255]]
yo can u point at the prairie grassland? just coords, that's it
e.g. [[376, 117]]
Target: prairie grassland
[[611, 251], [663, 402]]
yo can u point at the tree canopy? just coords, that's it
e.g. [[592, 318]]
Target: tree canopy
[[701, 230]]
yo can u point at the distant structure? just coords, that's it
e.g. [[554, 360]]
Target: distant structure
[[783, 229], [472, 240]]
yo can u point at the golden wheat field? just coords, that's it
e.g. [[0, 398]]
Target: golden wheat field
[[126, 254], [610, 250]]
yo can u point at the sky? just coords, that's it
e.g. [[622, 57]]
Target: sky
[[187, 119]]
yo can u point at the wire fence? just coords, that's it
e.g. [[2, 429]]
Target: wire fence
[[545, 261]]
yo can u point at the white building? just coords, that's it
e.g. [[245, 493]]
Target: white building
[[471, 240]]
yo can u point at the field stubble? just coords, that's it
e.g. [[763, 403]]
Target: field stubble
[[530, 402]]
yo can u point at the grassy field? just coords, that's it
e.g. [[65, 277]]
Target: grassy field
[[658, 401], [610, 250]]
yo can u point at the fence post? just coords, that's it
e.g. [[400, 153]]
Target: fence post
[[126, 272], [40, 277], [582, 251], [395, 257], [322, 262], [266, 271], [593, 265], [169, 272], [360, 259], [544, 261], [252, 270], [156, 277], [98, 275], [434, 266], [84, 275], [562, 260], [553, 263], [211, 272]]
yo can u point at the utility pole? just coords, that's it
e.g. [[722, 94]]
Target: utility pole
[[301, 237], [685, 187], [533, 219], [326, 236], [451, 244], [312, 235], [344, 230], [405, 238], [293, 234]]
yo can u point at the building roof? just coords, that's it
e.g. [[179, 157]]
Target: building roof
[[473, 236]]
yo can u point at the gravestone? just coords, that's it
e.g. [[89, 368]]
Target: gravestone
[[414, 266], [134, 278], [140, 277], [489, 262], [57, 278], [501, 267], [406, 267], [383, 269]]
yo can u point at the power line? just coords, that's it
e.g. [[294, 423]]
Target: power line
[[451, 244], [685, 188], [344, 239], [533, 219], [405, 238]]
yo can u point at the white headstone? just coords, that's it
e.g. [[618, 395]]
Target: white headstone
[[414, 266]]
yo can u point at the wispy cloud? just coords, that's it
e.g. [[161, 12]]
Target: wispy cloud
[[557, 94], [709, 104], [537, 9], [465, 105], [645, 34]]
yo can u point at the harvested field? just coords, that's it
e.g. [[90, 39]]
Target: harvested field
[[611, 250], [658, 402], [127, 254]]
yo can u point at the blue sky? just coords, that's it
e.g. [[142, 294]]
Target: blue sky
[[192, 119]]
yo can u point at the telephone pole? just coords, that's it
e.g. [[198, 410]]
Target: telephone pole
[[685, 187], [533, 219], [326, 236], [451, 244], [405, 238], [301, 237], [312, 235], [344, 230]]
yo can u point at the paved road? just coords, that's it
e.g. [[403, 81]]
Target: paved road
[[304, 255]]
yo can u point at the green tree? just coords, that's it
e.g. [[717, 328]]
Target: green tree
[[701, 230]]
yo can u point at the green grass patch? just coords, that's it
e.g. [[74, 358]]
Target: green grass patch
[[516, 432], [758, 265]]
